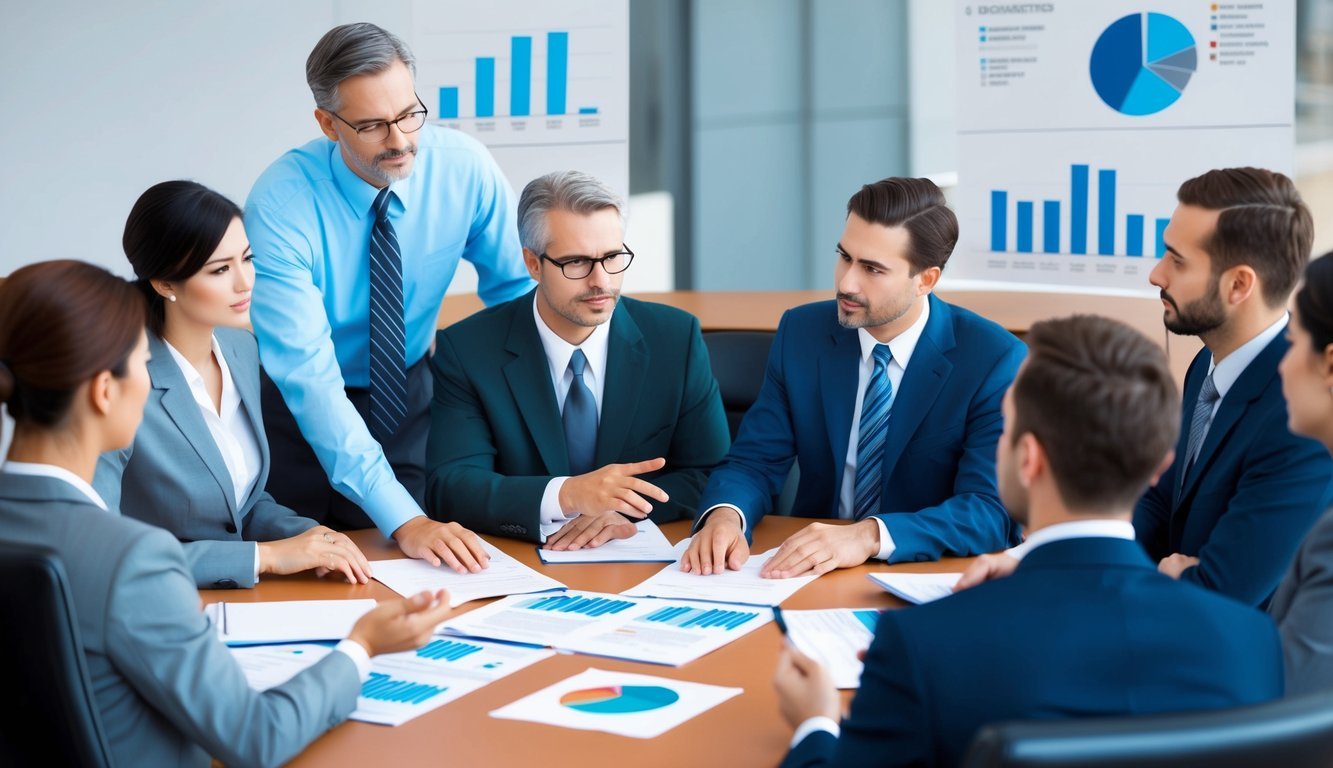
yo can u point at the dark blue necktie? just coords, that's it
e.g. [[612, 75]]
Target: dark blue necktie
[[388, 338], [870, 438], [580, 418]]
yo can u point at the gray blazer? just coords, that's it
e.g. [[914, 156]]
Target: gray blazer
[[173, 475], [169, 693], [1303, 610]]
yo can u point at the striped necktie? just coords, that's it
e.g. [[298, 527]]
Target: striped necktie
[[1203, 416], [580, 418], [870, 439], [388, 337]]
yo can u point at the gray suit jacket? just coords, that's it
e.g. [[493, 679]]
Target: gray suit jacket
[[173, 476], [169, 693], [1303, 610]]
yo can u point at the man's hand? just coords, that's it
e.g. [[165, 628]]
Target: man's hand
[[1176, 564], [400, 625], [804, 688], [322, 549], [613, 488], [435, 542], [819, 548], [591, 530], [986, 568], [720, 544]]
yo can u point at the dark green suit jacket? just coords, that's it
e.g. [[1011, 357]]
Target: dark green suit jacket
[[496, 438]]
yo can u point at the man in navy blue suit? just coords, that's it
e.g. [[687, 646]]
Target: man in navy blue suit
[[1231, 511], [1085, 626], [888, 398]]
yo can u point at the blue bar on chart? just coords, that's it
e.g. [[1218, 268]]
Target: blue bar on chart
[[1105, 213], [1134, 235], [686, 617], [999, 212], [1050, 224], [1078, 209], [587, 110], [869, 618], [485, 86], [447, 650], [590, 606], [557, 71], [520, 76], [1024, 227], [449, 103], [1160, 249], [381, 687]]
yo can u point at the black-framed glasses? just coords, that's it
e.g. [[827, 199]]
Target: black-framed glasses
[[378, 132], [579, 267]]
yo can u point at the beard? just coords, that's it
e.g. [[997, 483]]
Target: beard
[[570, 311], [874, 316], [1197, 317], [376, 170]]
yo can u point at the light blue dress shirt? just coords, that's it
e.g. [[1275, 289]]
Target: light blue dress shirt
[[308, 219]]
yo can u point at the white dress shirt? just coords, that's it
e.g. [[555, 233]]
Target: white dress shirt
[[1226, 372]]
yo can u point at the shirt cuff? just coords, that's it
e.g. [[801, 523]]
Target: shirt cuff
[[358, 654], [256, 562], [704, 517], [816, 723], [390, 506], [886, 545], [550, 509]]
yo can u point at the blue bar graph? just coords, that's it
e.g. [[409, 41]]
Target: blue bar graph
[[686, 617], [381, 687], [1050, 222], [589, 606], [520, 76], [449, 103], [447, 650], [1024, 227], [1134, 235], [557, 71], [999, 212], [1078, 209], [1106, 213], [868, 618], [1160, 250], [486, 86]]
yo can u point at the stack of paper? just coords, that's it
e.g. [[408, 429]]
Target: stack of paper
[[833, 638], [917, 588], [648, 545], [504, 576], [289, 621], [743, 586]]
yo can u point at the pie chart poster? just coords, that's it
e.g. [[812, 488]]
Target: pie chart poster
[[1079, 120]]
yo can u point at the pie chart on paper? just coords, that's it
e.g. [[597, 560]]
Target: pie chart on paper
[[619, 699], [1142, 63]]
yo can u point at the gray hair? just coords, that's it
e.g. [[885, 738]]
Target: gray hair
[[350, 50], [572, 191]]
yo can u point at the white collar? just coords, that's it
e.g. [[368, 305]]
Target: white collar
[[231, 400], [558, 351], [900, 346], [1229, 370], [1074, 529], [60, 473]]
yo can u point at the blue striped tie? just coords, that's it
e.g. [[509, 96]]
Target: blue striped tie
[[580, 418], [388, 338], [870, 439], [1203, 417]]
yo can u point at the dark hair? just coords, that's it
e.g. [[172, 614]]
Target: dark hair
[[1314, 302], [172, 230], [1263, 224], [61, 323], [916, 205], [1100, 398]]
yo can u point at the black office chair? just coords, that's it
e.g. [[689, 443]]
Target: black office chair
[[55, 721], [1291, 733]]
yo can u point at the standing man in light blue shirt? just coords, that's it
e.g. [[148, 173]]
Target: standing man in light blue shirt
[[356, 236]]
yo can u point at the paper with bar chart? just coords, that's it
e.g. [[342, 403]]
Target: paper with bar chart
[[544, 85], [742, 586], [671, 632], [503, 576], [401, 686], [638, 706], [833, 637], [1077, 125]]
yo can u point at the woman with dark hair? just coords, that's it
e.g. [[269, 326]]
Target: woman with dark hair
[[1303, 603], [73, 376], [200, 462]]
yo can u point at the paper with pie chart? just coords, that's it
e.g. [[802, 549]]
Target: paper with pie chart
[[638, 706]]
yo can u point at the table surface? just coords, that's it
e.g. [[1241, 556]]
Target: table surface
[[746, 730]]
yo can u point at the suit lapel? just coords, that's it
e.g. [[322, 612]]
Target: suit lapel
[[1198, 371], [626, 368], [529, 377], [838, 377], [922, 381], [245, 377]]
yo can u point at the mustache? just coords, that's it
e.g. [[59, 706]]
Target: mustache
[[596, 293], [1169, 299], [851, 299], [394, 154]]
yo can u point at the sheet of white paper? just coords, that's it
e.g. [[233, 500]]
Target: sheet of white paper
[[641, 629], [917, 588], [833, 637], [649, 545], [290, 621], [638, 706], [402, 686], [504, 576], [743, 586]]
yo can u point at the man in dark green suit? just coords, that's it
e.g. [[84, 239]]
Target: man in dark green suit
[[565, 414]]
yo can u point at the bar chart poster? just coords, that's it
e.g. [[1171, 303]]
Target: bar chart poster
[[544, 85], [1078, 122]]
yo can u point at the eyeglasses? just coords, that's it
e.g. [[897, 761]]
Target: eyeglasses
[[579, 267], [378, 132]]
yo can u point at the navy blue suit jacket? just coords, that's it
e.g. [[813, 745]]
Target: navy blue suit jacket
[[1253, 493], [939, 495], [1084, 628]]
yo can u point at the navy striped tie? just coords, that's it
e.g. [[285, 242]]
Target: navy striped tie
[[580, 418], [870, 439], [388, 337]]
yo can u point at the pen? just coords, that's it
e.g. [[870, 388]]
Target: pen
[[222, 613], [777, 619]]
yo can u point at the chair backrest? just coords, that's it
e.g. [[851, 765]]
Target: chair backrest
[[1292, 733], [56, 720]]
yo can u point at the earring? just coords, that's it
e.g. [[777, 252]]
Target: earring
[[171, 298]]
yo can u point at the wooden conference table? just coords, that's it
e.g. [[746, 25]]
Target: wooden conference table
[[744, 731]]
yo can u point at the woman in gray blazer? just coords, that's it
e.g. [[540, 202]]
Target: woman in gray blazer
[[1303, 603], [199, 463], [167, 692]]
